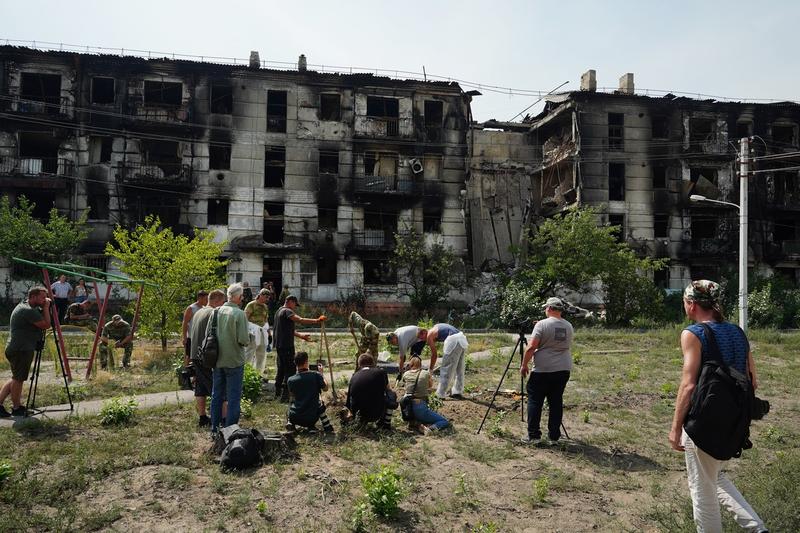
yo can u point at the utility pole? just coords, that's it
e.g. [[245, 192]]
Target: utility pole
[[744, 163]]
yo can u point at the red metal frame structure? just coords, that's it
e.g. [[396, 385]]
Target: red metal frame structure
[[99, 276]]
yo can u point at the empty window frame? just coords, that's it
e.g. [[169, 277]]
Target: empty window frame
[[619, 221], [784, 134], [274, 166], [219, 156], [702, 130], [616, 131], [163, 93], [661, 278], [696, 173], [103, 90], [330, 107], [327, 218], [660, 226], [703, 226], [380, 107], [163, 154], [221, 98], [328, 162], [382, 164], [218, 212], [326, 270], [100, 149], [785, 186], [432, 219], [659, 176], [97, 200], [660, 127], [273, 222], [784, 230], [42, 88], [42, 147], [276, 111], [379, 272], [616, 181]]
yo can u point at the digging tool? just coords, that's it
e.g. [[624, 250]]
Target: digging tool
[[324, 337]]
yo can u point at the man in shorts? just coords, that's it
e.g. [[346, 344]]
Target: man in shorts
[[202, 375], [29, 320]]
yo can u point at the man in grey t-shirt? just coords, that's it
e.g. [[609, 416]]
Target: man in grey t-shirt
[[404, 338], [552, 361]]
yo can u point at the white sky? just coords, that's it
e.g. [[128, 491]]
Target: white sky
[[728, 48]]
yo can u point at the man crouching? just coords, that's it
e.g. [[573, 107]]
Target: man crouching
[[304, 389]]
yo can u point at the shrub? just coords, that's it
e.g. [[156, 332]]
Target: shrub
[[434, 402], [251, 385], [383, 490], [541, 488], [118, 411], [246, 408], [5, 471], [773, 303]]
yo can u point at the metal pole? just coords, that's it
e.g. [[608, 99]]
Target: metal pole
[[54, 317], [100, 324], [743, 193]]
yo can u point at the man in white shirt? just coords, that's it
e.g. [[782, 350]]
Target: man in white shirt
[[61, 292]]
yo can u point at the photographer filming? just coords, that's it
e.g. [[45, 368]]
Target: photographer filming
[[552, 363], [28, 322]]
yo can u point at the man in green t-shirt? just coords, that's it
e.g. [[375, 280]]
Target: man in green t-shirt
[[120, 331], [26, 327], [257, 314], [305, 386]]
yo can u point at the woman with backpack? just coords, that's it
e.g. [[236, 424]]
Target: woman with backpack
[[710, 337]]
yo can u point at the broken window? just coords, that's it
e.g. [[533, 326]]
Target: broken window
[[432, 219], [661, 278], [330, 107], [45, 88], [328, 162], [163, 92], [619, 221], [616, 181], [272, 271], [703, 227], [659, 176], [380, 107], [784, 134], [434, 119], [100, 149], [326, 270], [382, 164], [221, 98], [97, 200], [218, 212], [103, 90], [701, 131], [379, 272], [616, 131], [163, 154], [660, 226], [660, 127], [327, 218], [704, 182], [274, 166], [38, 153], [219, 156], [43, 203], [166, 207], [276, 111], [784, 230], [273, 222]]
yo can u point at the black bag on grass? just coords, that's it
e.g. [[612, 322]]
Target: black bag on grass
[[244, 448]]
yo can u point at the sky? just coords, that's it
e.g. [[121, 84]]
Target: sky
[[743, 50]]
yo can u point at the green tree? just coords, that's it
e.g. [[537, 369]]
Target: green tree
[[572, 253], [425, 274], [24, 236], [180, 266]]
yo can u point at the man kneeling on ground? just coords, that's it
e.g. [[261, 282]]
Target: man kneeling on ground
[[304, 388], [418, 383], [369, 397]]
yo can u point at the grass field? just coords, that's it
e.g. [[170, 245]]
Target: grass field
[[615, 473]]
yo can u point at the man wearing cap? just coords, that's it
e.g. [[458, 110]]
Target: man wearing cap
[[284, 334], [257, 314], [404, 338], [552, 362], [453, 359], [369, 334], [708, 485], [120, 331]]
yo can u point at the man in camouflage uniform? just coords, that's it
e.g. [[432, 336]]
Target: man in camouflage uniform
[[120, 331], [369, 334], [78, 315]]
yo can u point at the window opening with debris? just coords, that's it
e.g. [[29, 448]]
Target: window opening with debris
[[273, 222], [274, 166], [616, 181], [165, 155], [702, 131], [45, 88], [218, 212], [221, 98], [380, 107], [330, 107], [616, 131], [328, 162], [168, 93], [103, 90], [276, 111]]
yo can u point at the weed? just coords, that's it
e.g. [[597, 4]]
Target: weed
[[246, 408], [774, 434], [577, 357], [434, 402], [251, 384], [302, 474], [382, 490], [464, 492], [469, 366], [633, 373], [262, 509], [541, 488], [496, 427], [485, 527], [118, 411], [5, 471], [669, 389], [361, 518], [585, 416]]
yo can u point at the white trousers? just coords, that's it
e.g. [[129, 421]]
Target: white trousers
[[452, 368], [709, 487], [256, 351]]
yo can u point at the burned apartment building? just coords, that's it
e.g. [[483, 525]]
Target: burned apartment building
[[638, 159], [307, 176]]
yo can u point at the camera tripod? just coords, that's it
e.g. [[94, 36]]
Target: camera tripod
[[37, 367]]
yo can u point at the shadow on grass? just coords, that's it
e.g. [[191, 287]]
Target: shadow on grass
[[614, 458], [41, 429]]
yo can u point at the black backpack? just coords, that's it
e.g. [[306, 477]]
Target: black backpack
[[209, 348], [718, 421], [243, 448]]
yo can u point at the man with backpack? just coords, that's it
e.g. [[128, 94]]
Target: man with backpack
[[711, 338], [196, 334]]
